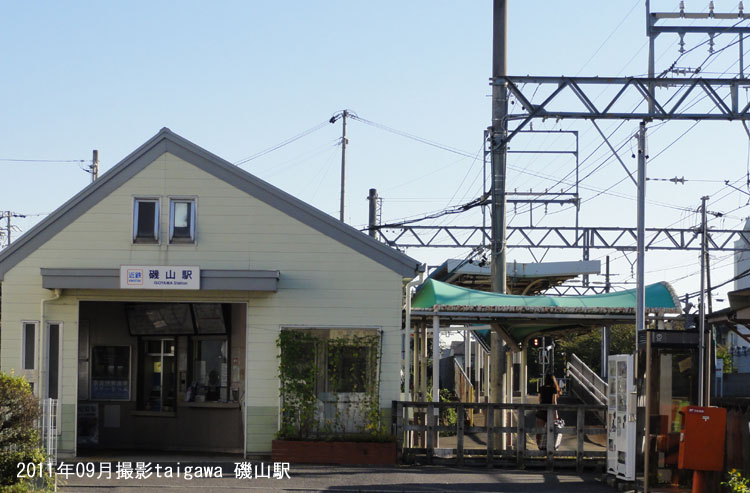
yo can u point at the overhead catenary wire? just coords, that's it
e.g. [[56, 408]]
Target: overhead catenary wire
[[691, 104], [282, 143]]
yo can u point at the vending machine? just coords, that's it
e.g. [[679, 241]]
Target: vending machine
[[621, 417]]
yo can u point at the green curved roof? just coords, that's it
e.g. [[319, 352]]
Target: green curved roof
[[659, 297], [529, 315]]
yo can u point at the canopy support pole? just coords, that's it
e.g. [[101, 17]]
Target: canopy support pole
[[435, 359], [524, 373], [423, 364], [476, 365]]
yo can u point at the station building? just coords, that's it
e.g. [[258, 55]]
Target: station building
[[149, 304]]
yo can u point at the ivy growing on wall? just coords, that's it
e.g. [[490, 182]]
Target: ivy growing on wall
[[331, 370]]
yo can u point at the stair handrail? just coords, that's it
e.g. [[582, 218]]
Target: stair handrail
[[587, 378], [469, 386]]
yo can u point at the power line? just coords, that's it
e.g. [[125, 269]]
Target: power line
[[15, 160], [282, 144]]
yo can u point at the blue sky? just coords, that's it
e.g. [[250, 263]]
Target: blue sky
[[239, 77]]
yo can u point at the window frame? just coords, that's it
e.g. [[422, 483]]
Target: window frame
[[323, 334], [193, 201], [48, 354], [140, 399], [194, 341], [35, 341], [157, 220]]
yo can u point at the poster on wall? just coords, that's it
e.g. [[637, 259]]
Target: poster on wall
[[110, 373], [88, 424]]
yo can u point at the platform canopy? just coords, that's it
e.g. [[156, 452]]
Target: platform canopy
[[523, 316]]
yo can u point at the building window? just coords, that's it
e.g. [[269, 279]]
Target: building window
[[329, 380], [209, 377], [157, 378], [182, 221], [54, 346], [29, 346], [345, 360], [146, 221], [349, 368]]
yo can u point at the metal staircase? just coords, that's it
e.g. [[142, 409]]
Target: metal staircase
[[584, 383]]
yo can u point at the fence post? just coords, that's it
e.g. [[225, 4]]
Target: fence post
[[521, 437], [393, 416], [400, 431], [550, 435], [580, 436], [460, 432], [430, 431], [490, 432]]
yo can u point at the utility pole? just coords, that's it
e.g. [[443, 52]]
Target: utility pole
[[344, 141], [373, 216], [702, 384], [95, 166], [498, 156], [605, 331], [640, 294], [710, 342], [498, 134], [8, 226], [640, 290]]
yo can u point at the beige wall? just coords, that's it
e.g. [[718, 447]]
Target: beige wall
[[323, 283]]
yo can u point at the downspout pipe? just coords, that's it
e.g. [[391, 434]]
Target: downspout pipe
[[407, 330], [43, 355]]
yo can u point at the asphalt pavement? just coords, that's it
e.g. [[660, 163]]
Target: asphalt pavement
[[326, 478]]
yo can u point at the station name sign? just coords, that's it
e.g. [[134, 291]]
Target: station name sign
[[160, 277]]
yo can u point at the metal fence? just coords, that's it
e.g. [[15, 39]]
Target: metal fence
[[48, 429], [425, 432]]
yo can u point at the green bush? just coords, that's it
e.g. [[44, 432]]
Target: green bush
[[19, 438], [448, 415], [736, 483]]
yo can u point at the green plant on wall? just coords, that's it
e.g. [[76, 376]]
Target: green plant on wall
[[353, 368], [314, 368], [297, 375], [723, 354]]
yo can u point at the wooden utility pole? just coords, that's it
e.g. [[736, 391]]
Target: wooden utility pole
[[344, 141], [94, 166], [8, 226]]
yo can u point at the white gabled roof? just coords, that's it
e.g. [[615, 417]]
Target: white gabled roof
[[168, 141]]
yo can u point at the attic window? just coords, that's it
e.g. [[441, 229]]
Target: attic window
[[182, 221], [146, 221]]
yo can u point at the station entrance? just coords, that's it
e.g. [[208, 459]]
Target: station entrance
[[161, 376]]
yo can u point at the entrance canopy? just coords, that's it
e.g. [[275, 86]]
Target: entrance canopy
[[523, 316]]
